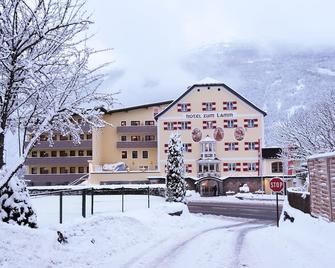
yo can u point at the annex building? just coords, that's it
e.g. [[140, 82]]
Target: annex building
[[222, 133]]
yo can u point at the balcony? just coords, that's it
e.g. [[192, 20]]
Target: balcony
[[150, 130], [56, 161], [85, 144], [136, 144], [53, 179], [214, 174]]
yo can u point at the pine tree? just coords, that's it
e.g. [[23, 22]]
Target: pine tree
[[15, 206], [175, 184]]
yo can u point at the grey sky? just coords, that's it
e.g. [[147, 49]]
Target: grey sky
[[151, 37]]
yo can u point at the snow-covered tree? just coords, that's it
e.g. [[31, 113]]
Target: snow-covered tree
[[175, 183], [309, 131], [46, 81]]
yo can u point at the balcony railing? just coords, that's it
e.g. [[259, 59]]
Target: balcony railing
[[54, 179], [67, 160], [152, 130], [84, 144], [209, 174], [136, 144]]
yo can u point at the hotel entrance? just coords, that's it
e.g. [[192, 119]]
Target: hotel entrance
[[209, 187]]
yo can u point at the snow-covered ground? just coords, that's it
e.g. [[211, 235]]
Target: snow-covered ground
[[142, 237]]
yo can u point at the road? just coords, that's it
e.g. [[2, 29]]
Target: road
[[252, 210], [213, 247]]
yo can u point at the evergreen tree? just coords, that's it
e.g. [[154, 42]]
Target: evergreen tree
[[15, 206], [175, 184]]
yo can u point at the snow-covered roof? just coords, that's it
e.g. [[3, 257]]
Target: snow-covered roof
[[322, 155], [207, 81]]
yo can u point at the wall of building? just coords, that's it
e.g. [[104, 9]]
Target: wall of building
[[217, 95]]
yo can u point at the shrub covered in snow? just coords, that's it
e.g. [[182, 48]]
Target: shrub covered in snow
[[175, 184], [15, 206]]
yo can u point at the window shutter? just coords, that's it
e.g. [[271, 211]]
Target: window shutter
[[225, 167], [204, 106], [224, 105], [189, 125], [236, 146], [235, 122], [179, 107], [238, 167], [234, 105], [204, 124], [213, 106], [165, 125], [246, 146], [188, 107], [166, 148], [245, 167], [175, 125], [245, 122], [255, 122], [225, 123]]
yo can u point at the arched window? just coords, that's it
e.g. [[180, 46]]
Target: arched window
[[277, 167]]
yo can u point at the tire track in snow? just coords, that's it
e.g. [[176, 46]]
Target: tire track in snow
[[146, 259]]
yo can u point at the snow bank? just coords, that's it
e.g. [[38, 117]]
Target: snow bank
[[306, 243]]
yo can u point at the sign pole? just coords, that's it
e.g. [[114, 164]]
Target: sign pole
[[277, 210]]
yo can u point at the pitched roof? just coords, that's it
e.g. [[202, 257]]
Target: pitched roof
[[209, 82], [126, 109]]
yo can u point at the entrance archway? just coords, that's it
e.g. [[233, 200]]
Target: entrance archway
[[209, 187]]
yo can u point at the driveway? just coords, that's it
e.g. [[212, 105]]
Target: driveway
[[243, 209]]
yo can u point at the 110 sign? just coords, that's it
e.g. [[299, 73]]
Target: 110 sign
[[276, 184]]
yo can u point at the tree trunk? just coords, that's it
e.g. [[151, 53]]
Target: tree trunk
[[2, 149]]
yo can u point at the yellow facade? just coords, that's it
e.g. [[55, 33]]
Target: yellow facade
[[190, 111]]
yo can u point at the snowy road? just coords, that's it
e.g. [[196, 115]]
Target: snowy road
[[213, 247]]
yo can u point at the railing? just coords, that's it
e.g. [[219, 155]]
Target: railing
[[136, 144], [84, 192], [84, 144], [61, 160], [137, 129]]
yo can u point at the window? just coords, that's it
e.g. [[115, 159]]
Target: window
[[82, 136], [149, 123], [231, 166], [170, 125], [251, 145], [63, 138], [135, 123], [43, 154], [80, 153], [123, 138], [252, 167], [89, 152], [250, 123], [63, 170], [231, 146], [277, 167], [81, 170], [230, 105], [43, 137], [187, 147], [209, 124], [34, 154], [33, 170], [134, 154], [53, 153], [72, 153], [208, 106], [123, 123], [183, 125], [44, 170], [87, 169], [124, 154], [145, 154], [62, 153], [150, 137], [54, 170], [135, 138], [72, 170], [230, 123], [89, 136]]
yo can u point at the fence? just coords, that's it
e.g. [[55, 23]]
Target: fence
[[322, 181], [92, 192]]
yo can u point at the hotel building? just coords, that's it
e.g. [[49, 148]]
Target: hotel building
[[222, 133]]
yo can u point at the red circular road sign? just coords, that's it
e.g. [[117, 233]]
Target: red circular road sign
[[276, 184]]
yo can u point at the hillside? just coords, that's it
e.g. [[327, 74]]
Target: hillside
[[278, 80]]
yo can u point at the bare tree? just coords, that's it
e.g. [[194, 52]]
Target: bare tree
[[311, 130], [46, 82]]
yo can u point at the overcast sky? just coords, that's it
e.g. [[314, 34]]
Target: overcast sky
[[150, 38]]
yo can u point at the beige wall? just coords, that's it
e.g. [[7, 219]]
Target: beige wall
[[105, 140], [243, 111]]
